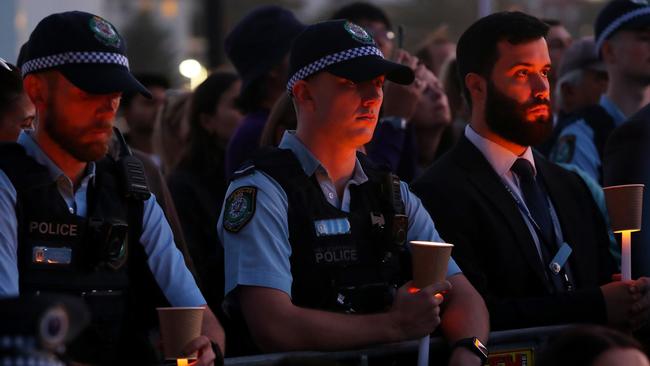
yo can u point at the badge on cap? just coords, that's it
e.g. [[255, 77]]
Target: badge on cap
[[358, 33], [239, 208], [104, 32]]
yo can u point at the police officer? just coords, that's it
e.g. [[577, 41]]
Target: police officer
[[73, 219], [315, 235], [622, 32]]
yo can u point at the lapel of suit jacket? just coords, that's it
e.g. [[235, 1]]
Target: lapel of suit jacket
[[486, 180]]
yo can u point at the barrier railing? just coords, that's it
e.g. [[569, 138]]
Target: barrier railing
[[508, 348]]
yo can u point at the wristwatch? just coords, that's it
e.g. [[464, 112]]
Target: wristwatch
[[398, 123], [473, 344]]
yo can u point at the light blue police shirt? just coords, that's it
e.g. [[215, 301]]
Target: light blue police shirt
[[586, 155], [258, 255], [164, 259]]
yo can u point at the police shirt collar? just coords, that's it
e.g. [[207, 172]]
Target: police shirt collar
[[26, 139], [500, 158], [613, 110], [308, 161]]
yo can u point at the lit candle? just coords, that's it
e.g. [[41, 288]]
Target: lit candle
[[626, 255], [181, 362]]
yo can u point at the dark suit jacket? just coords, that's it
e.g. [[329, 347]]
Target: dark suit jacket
[[493, 246], [627, 160]]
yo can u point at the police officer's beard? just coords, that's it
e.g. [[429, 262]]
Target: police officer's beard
[[507, 118], [69, 138]]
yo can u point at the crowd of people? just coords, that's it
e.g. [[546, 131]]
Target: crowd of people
[[282, 193]]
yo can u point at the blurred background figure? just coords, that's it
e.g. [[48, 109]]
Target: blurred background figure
[[436, 50], [140, 114], [457, 106], [431, 119], [258, 47], [581, 80], [558, 40], [622, 31], [16, 110], [591, 345], [171, 131], [198, 182], [282, 118]]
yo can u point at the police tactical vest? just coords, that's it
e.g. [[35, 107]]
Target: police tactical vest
[[97, 257], [343, 262]]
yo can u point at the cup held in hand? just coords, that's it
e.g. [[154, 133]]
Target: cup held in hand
[[625, 204], [178, 327], [430, 261]]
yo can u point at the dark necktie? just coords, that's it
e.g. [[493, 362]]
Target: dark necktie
[[536, 201]]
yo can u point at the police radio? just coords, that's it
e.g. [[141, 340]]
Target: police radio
[[132, 171]]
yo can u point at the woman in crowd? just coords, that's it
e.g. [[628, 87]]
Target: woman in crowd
[[198, 183], [16, 110]]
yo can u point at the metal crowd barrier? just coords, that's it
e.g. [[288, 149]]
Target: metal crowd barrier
[[507, 348]]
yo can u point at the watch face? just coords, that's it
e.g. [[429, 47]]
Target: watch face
[[479, 346]]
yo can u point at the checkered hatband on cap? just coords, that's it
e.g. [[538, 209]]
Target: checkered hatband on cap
[[619, 22], [331, 59], [66, 58]]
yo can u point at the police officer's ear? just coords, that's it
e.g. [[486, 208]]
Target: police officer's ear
[[607, 51], [302, 95], [36, 89], [477, 86]]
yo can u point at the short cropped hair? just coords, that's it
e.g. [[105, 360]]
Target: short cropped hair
[[477, 50]]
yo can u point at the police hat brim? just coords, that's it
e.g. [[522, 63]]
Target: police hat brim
[[103, 79], [369, 67]]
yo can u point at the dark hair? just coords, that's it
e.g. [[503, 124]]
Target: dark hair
[[249, 99], [11, 87], [282, 117], [204, 148], [148, 80], [552, 22], [358, 11], [477, 50], [581, 346]]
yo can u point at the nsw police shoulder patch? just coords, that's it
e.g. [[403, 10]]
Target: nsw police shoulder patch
[[239, 208], [564, 150]]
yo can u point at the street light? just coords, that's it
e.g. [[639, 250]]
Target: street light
[[193, 70]]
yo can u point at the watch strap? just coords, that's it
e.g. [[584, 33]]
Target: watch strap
[[473, 344]]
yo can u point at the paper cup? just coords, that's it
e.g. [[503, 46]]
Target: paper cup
[[625, 204], [430, 261], [178, 327]]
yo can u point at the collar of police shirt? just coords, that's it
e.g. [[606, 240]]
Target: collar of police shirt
[[311, 165]]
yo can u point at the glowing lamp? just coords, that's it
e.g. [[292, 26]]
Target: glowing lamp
[[625, 204]]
